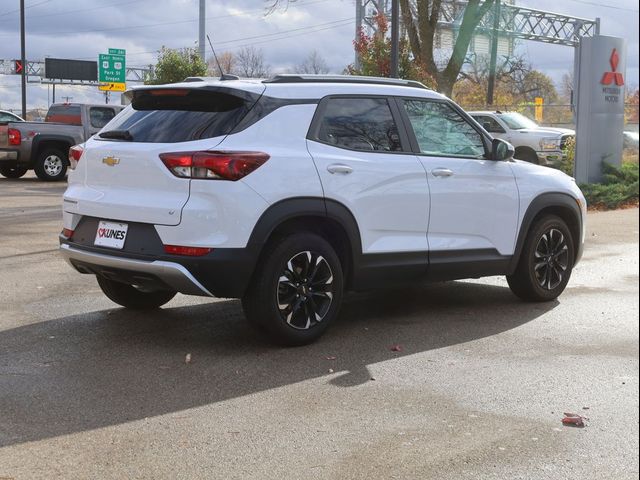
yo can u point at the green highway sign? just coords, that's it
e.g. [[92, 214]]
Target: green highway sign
[[111, 66]]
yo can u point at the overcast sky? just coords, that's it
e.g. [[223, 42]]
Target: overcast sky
[[80, 29]]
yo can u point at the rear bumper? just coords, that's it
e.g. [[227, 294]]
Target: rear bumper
[[171, 274], [9, 156], [223, 273]]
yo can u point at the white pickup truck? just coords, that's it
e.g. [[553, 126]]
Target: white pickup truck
[[533, 143]]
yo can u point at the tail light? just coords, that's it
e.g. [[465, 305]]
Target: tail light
[[67, 233], [213, 165], [75, 153], [15, 137], [187, 251]]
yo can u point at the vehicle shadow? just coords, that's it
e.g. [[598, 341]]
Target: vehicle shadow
[[109, 367]]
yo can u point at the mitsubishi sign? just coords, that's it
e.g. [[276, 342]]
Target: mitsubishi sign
[[599, 73]]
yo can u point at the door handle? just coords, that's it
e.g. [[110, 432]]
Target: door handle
[[339, 168], [441, 172]]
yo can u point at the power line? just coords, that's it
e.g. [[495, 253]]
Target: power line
[[150, 25], [67, 12], [305, 30], [595, 4], [28, 6]]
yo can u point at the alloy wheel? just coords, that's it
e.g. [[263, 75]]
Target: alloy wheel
[[551, 259], [52, 165], [305, 290]]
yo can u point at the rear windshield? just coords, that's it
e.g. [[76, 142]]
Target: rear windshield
[[172, 115], [69, 114]]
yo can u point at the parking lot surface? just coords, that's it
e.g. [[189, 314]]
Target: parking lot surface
[[458, 380]]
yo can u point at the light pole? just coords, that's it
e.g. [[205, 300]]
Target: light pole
[[201, 32], [23, 61], [395, 37]]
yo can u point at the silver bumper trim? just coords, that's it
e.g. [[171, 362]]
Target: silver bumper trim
[[173, 274]]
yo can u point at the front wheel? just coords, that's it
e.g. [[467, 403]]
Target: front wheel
[[12, 172], [546, 261], [131, 297], [51, 165], [296, 291]]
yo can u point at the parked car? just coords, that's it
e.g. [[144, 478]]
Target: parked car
[[290, 191], [44, 146], [6, 117], [533, 143]]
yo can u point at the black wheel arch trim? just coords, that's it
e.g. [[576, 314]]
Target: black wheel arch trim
[[537, 205], [292, 208], [305, 207], [42, 139]]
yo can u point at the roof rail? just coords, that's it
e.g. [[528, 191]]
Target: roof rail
[[294, 78]]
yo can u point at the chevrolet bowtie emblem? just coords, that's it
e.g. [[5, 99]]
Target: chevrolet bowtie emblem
[[111, 161]]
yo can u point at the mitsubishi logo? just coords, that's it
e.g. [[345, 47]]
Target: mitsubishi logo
[[613, 76], [111, 161]]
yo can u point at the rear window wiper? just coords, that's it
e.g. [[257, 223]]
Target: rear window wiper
[[117, 134]]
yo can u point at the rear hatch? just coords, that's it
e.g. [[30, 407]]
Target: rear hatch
[[121, 176]]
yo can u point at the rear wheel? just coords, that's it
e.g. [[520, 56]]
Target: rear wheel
[[51, 165], [132, 297], [12, 172], [296, 292], [546, 261]]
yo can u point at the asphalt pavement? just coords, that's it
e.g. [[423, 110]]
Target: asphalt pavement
[[458, 380]]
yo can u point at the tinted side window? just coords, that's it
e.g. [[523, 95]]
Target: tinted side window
[[440, 130], [100, 116], [490, 124], [359, 124]]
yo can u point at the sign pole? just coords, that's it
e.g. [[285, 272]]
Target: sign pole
[[23, 61]]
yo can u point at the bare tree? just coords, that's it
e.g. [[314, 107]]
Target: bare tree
[[566, 86], [250, 63], [314, 64], [421, 24], [227, 64]]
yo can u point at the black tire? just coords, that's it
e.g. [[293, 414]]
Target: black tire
[[546, 261], [130, 297], [302, 274], [51, 165], [12, 172], [527, 155]]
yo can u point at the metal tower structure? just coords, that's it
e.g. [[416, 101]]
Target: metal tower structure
[[514, 22]]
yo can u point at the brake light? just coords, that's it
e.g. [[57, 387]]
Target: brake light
[[15, 137], [68, 233], [187, 251], [213, 165], [177, 92], [75, 153]]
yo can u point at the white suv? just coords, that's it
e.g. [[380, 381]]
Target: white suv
[[290, 191]]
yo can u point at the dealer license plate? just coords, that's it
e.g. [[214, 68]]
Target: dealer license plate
[[111, 234]]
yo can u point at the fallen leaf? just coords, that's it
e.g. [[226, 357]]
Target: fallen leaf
[[396, 348], [574, 420]]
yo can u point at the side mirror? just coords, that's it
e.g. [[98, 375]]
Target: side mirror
[[501, 150]]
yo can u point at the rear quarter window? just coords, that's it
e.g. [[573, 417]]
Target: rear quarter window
[[174, 115]]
